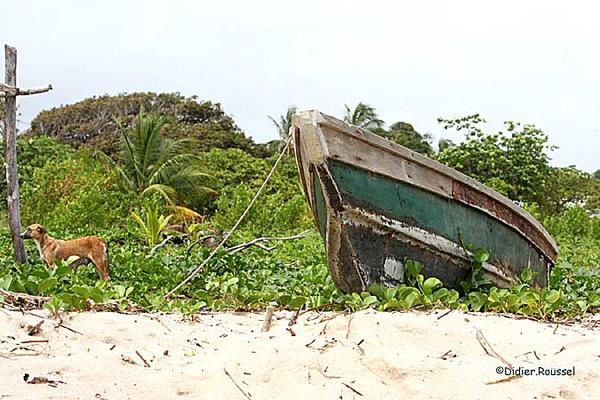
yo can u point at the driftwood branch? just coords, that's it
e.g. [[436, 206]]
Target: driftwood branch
[[258, 242], [197, 242], [7, 90], [160, 245]]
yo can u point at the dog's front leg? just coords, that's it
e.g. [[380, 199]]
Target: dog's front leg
[[50, 260]]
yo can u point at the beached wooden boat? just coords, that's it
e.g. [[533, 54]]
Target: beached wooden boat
[[377, 203]]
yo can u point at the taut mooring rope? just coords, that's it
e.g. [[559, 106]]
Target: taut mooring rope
[[239, 221]]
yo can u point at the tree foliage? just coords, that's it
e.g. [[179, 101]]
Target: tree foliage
[[566, 187], [514, 162], [405, 134], [92, 122], [152, 163]]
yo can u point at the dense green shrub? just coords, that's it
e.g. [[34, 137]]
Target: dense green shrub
[[281, 209], [74, 194], [34, 153]]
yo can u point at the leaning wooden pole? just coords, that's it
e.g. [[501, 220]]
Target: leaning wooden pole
[[10, 156]]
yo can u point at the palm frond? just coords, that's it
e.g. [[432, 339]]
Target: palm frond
[[166, 191], [285, 122]]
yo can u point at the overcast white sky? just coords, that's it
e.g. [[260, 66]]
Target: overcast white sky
[[530, 61]]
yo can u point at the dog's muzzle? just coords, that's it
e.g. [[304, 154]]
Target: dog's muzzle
[[25, 235]]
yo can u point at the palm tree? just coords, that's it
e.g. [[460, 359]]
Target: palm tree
[[285, 123], [152, 163], [363, 116]]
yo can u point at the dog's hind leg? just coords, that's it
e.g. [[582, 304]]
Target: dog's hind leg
[[100, 260]]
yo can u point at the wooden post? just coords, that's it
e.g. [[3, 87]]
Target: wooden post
[[10, 92], [10, 156]]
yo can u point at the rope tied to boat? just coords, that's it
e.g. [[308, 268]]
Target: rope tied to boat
[[236, 225]]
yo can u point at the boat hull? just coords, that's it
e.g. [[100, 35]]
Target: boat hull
[[372, 222]]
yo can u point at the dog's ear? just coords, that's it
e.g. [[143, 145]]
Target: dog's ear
[[41, 229]]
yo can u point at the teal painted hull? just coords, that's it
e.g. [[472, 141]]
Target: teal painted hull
[[400, 203]]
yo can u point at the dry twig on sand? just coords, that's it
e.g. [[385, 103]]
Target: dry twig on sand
[[236, 385], [268, 319], [351, 388], [350, 317], [489, 350], [142, 358], [294, 318]]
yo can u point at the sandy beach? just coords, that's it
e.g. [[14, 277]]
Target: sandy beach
[[366, 355]]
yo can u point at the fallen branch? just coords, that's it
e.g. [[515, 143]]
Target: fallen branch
[[258, 242], [197, 242], [504, 380], [328, 376], [236, 385], [34, 341]]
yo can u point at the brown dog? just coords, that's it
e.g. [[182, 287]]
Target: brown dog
[[89, 247]]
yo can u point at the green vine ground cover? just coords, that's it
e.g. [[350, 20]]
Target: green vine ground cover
[[81, 196], [294, 275]]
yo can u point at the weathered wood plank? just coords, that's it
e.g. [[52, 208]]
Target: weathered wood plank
[[10, 157]]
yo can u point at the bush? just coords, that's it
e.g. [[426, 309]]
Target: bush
[[34, 153], [74, 194]]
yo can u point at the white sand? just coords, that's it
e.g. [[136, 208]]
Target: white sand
[[399, 357]]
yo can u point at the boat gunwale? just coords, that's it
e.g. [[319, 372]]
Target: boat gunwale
[[319, 120]]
